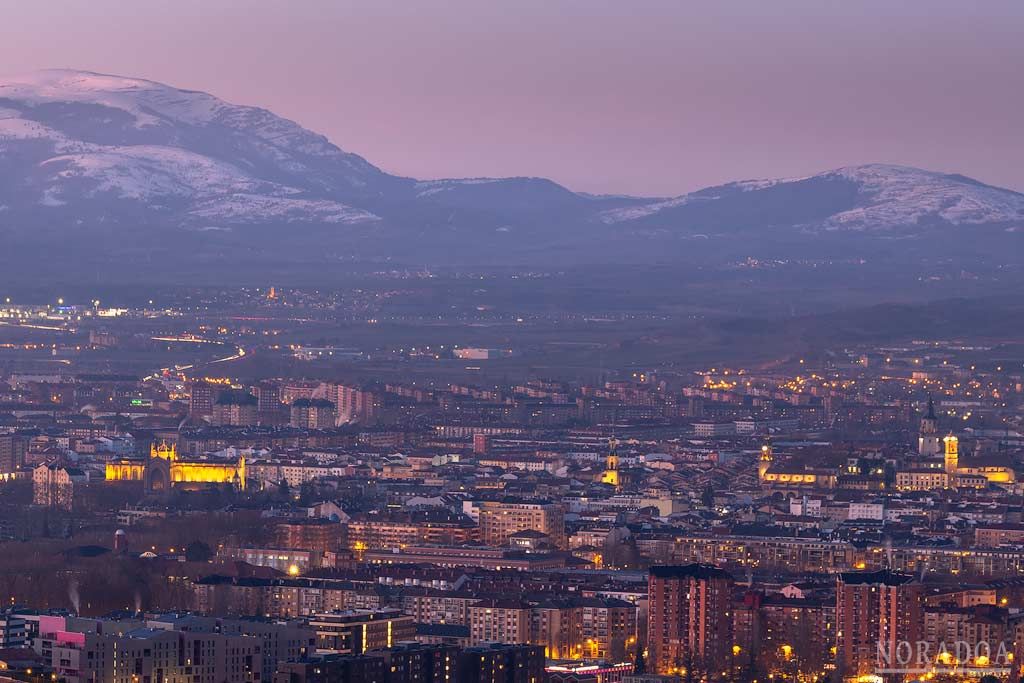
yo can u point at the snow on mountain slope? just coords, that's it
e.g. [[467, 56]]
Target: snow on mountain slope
[[219, 190], [898, 195], [632, 213], [145, 172], [81, 150], [514, 194], [149, 103], [425, 188], [878, 197], [154, 104], [13, 127], [238, 207], [69, 136]]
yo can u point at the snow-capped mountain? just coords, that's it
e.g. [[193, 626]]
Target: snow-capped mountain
[[897, 195], [874, 197], [70, 138], [144, 165]]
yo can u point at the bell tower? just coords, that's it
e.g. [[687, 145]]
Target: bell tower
[[611, 467], [952, 453], [929, 443], [765, 461]]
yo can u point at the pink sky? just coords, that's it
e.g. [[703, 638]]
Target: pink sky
[[634, 96]]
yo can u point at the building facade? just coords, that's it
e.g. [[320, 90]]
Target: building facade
[[875, 612], [689, 626], [499, 520], [166, 469]]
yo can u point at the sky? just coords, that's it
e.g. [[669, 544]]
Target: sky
[[650, 97]]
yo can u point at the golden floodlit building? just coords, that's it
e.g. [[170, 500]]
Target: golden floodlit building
[[165, 469], [791, 475], [978, 470], [953, 472]]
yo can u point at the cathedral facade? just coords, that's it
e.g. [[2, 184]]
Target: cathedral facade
[[165, 470]]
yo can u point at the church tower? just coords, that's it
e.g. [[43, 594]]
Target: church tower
[[765, 461], [611, 467], [929, 443], [952, 453]]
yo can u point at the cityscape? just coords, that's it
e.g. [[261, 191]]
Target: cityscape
[[270, 413], [361, 513]]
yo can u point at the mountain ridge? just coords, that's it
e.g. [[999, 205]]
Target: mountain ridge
[[86, 152]]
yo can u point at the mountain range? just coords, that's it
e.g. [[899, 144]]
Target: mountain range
[[112, 167]]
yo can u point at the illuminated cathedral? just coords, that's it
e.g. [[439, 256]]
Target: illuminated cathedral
[[165, 470], [941, 465], [977, 472]]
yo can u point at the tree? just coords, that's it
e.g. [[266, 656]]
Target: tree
[[306, 493], [639, 665], [197, 551], [707, 496]]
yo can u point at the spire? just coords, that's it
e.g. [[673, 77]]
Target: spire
[[931, 409], [612, 460]]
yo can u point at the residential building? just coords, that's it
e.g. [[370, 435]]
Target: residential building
[[689, 623]]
